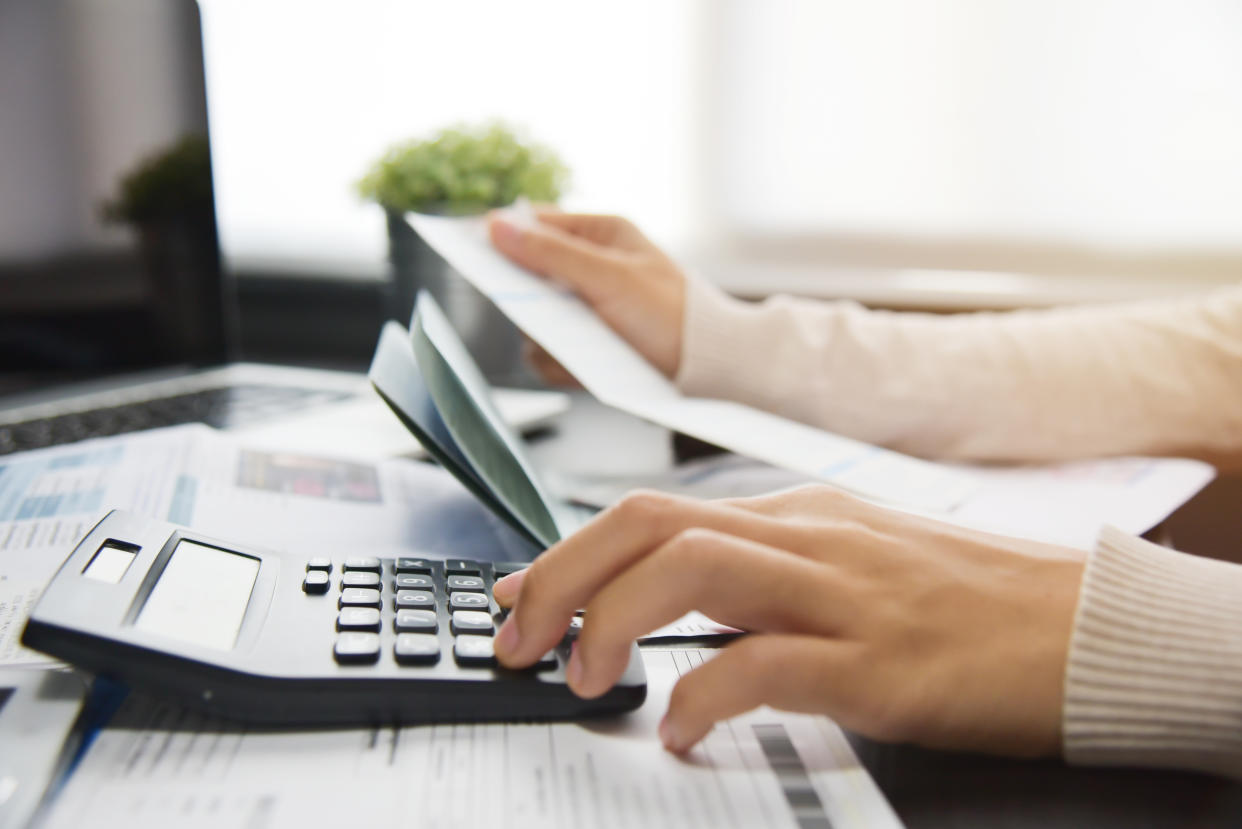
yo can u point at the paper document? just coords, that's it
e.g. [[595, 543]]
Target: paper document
[[1064, 503], [612, 371], [157, 767]]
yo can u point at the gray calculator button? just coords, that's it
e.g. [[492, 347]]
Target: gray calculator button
[[474, 650], [359, 578], [416, 621], [468, 601], [472, 621], [356, 648], [414, 581], [320, 563], [359, 597], [473, 583], [358, 618], [546, 662], [504, 568], [367, 563], [416, 648], [414, 599], [316, 582], [412, 565], [462, 566]]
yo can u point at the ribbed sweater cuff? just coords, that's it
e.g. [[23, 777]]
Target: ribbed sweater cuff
[[1154, 676], [714, 353]]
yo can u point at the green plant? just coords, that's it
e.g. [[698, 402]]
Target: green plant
[[174, 182], [462, 170]]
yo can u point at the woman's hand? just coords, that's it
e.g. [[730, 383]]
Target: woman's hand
[[626, 279], [898, 627]]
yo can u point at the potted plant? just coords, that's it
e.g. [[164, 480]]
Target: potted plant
[[463, 170], [166, 197]]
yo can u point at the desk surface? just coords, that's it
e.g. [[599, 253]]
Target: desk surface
[[938, 789]]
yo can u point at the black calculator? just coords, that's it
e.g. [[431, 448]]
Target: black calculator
[[276, 639]]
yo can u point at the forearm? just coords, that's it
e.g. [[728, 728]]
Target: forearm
[[1154, 675], [1145, 378]]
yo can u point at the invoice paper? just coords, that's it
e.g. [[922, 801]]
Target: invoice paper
[[156, 766], [612, 371]]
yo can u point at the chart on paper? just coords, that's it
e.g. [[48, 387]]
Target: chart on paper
[[156, 765]]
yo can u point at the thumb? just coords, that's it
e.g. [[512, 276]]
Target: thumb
[[549, 251]]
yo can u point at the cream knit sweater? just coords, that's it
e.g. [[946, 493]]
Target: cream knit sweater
[[1155, 661]]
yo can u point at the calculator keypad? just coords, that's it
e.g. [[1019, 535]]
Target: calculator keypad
[[421, 608]]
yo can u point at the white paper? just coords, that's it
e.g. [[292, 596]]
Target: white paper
[[612, 371], [50, 498], [156, 767], [1058, 504]]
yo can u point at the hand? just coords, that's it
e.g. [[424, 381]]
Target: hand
[[546, 366], [626, 279], [898, 627]]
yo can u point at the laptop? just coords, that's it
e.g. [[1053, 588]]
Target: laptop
[[115, 312]]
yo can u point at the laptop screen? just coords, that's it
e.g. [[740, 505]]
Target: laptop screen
[[109, 261]]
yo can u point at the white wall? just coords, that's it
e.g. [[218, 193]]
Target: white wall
[[304, 95]]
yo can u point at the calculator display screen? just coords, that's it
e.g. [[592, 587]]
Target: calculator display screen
[[201, 596]]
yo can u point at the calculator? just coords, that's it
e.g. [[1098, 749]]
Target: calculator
[[278, 639]]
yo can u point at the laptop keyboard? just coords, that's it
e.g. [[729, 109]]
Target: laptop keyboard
[[223, 407]]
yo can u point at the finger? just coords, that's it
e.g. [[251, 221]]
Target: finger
[[733, 580], [793, 673], [547, 367], [567, 575], [610, 231], [506, 589], [549, 251]]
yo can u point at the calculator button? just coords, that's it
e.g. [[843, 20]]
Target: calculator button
[[416, 648], [414, 599], [416, 621], [468, 601], [366, 563], [462, 566], [472, 621], [316, 581], [356, 648], [359, 578], [320, 563], [359, 597], [474, 583], [505, 568], [546, 662], [412, 565], [414, 582], [358, 618], [474, 650]]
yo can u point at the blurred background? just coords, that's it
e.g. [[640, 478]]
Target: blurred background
[[951, 155]]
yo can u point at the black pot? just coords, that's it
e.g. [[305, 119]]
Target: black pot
[[492, 340]]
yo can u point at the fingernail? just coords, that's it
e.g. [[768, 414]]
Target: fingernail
[[575, 669], [506, 589], [668, 735], [505, 232], [507, 637]]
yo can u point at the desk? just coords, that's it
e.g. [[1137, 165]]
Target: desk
[[935, 788]]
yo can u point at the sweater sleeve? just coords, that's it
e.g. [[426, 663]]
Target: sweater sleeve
[[1154, 676], [1144, 378]]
